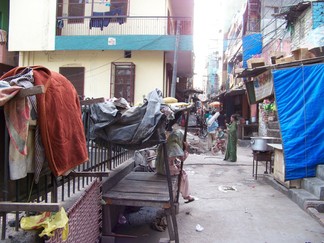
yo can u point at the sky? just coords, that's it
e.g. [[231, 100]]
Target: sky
[[212, 18], [207, 23]]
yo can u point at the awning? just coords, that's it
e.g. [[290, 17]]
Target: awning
[[233, 92], [253, 72]]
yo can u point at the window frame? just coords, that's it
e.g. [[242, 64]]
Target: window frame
[[73, 11], [117, 86], [76, 75]]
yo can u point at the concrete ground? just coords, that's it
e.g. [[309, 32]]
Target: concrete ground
[[230, 207]]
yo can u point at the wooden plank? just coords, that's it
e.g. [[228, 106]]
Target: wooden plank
[[37, 207], [92, 101], [144, 181], [39, 89], [275, 145], [140, 196], [136, 199], [137, 203], [141, 189], [134, 185], [148, 176], [90, 174]]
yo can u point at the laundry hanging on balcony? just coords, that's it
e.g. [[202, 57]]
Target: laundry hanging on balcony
[[106, 18]]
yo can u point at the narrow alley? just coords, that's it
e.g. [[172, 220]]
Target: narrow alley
[[231, 206]]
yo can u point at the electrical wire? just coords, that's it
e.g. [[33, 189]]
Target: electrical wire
[[277, 30]]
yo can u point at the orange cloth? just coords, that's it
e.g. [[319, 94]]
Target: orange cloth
[[59, 119]]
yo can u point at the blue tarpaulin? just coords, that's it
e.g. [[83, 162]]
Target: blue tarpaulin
[[300, 99], [252, 45]]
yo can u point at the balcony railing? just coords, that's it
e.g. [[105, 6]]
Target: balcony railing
[[122, 25]]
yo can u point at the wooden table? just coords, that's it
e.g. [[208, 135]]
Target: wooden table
[[246, 131]]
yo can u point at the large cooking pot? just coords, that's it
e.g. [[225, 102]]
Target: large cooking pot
[[260, 143]]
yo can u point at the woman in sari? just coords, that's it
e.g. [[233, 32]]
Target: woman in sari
[[230, 154]]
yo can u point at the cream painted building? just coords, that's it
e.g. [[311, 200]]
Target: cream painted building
[[107, 48]]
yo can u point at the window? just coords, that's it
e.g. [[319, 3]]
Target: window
[[120, 6], [123, 81], [302, 25], [76, 9], [76, 76], [127, 54]]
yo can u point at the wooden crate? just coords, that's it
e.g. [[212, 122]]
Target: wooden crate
[[285, 60], [279, 168], [255, 62], [301, 53], [275, 55]]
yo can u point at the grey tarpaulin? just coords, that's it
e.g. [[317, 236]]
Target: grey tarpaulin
[[135, 128]]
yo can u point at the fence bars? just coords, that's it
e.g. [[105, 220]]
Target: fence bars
[[51, 189]]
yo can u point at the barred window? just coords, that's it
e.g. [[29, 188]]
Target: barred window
[[123, 81]]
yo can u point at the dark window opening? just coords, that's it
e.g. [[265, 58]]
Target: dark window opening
[[127, 54], [123, 81], [76, 9], [76, 76], [120, 6]]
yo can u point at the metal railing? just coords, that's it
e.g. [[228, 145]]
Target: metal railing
[[51, 189], [122, 25]]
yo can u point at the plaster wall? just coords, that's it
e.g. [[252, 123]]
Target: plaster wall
[[149, 71]]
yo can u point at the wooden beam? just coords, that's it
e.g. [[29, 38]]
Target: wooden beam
[[89, 174], [39, 89], [37, 207], [92, 101]]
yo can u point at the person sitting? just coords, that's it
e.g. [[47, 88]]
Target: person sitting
[[220, 141], [177, 152], [220, 133]]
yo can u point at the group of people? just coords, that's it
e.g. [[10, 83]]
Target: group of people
[[216, 126], [177, 151]]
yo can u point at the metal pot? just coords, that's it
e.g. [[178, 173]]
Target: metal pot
[[260, 143]]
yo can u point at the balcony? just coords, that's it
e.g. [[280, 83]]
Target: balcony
[[122, 25]]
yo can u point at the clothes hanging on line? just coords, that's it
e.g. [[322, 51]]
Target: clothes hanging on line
[[97, 22]]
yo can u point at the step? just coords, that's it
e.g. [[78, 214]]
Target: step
[[273, 125], [320, 171], [274, 133], [301, 197], [315, 186]]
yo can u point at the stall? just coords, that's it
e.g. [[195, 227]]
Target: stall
[[279, 169]]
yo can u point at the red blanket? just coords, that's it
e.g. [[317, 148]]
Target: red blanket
[[59, 119]]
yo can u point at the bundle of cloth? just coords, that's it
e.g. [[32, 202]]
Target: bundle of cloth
[[59, 122]]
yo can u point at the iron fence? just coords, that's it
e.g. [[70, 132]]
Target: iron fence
[[51, 189]]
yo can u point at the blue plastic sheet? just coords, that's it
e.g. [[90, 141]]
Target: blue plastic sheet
[[300, 100], [252, 45]]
